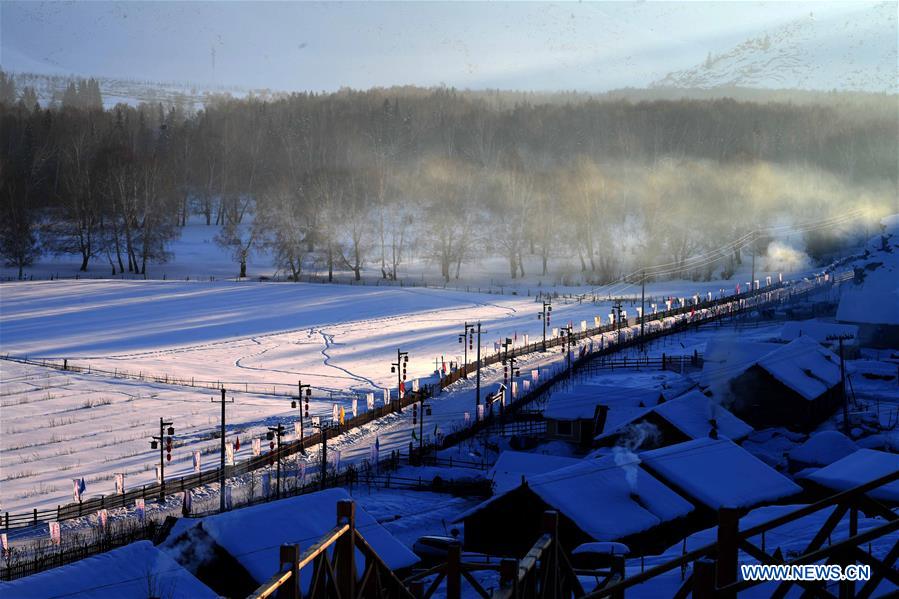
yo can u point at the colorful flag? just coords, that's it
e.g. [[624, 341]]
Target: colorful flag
[[120, 483], [257, 447], [237, 444], [76, 490], [402, 390], [229, 454], [197, 461], [342, 415], [55, 533]]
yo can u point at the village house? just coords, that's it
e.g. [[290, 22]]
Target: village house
[[597, 500], [796, 386]]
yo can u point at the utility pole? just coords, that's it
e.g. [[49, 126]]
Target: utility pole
[[617, 308], [642, 308], [752, 278], [466, 340], [304, 413], [477, 386], [222, 455], [510, 371], [165, 452], [399, 367], [418, 413], [566, 345], [323, 433], [545, 316], [276, 432], [841, 338]]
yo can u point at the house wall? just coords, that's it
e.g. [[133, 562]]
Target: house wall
[[763, 401]]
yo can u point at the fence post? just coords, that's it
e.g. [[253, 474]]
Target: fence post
[[345, 549], [728, 532], [508, 575], [290, 556], [453, 572], [551, 562], [703, 579]]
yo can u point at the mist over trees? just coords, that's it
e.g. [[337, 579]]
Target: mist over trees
[[372, 180]]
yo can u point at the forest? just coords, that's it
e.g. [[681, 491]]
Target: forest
[[353, 180]]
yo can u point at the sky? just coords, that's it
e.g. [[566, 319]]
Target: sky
[[589, 46]]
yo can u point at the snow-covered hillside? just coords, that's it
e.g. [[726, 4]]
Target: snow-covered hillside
[[807, 54]]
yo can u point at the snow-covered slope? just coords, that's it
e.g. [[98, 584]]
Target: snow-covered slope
[[856, 49]]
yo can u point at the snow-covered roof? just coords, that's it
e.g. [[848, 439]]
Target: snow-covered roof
[[823, 448], [596, 496], [512, 465], [803, 365], [123, 572], [876, 299], [817, 330], [691, 413], [253, 535], [580, 402], [859, 468], [718, 473], [725, 358]]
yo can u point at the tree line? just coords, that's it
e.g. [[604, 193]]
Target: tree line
[[377, 179]]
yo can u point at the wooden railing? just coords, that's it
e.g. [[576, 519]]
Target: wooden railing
[[715, 566], [334, 575]]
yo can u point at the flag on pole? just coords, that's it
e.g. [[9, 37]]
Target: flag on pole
[[158, 475], [197, 461], [402, 389], [237, 444], [386, 396], [415, 386], [229, 454], [120, 483], [55, 533], [335, 412], [355, 407], [257, 447], [370, 401], [78, 488], [342, 415]]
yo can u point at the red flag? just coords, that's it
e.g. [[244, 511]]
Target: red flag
[[237, 444], [692, 312]]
